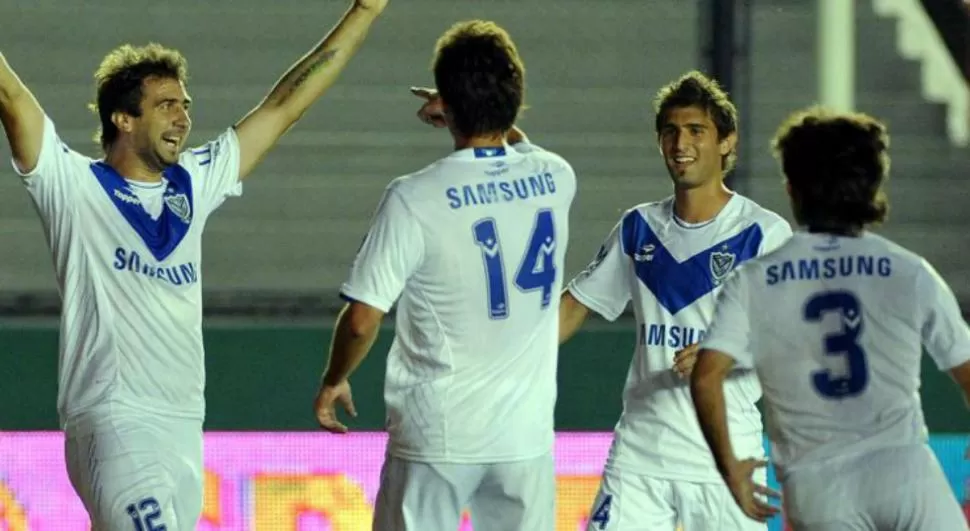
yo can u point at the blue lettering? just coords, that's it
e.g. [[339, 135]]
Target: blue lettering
[[521, 191], [884, 267], [673, 336], [453, 200], [487, 193], [175, 275], [787, 271], [469, 195], [656, 335], [538, 186], [507, 193], [550, 182], [808, 268], [828, 268], [772, 274], [134, 262]]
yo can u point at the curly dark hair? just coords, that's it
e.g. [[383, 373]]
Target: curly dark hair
[[836, 164]]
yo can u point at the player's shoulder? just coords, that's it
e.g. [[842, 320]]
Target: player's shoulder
[[204, 154], [877, 244], [530, 150], [768, 220], [61, 146], [651, 212]]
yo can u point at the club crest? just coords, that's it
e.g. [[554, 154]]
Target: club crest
[[179, 205], [721, 265]]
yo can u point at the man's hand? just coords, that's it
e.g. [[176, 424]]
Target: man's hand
[[685, 359], [432, 112], [371, 5], [739, 479], [325, 405]]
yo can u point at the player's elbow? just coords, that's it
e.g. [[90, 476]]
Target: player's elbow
[[704, 380], [362, 320]]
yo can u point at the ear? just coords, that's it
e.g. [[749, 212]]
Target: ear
[[728, 144], [788, 187], [123, 121]]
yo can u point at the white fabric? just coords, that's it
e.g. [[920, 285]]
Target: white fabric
[[473, 247], [672, 273], [131, 326]]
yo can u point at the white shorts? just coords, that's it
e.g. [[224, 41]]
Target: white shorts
[[630, 502], [903, 489], [144, 474], [514, 496]]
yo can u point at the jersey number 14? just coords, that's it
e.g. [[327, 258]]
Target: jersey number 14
[[537, 268]]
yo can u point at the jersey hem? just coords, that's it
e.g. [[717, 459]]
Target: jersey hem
[[103, 410], [465, 459], [664, 474]]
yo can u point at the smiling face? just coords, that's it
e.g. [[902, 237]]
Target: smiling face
[[688, 140], [160, 133]]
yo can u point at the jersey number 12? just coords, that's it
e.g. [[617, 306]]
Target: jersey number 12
[[537, 269], [845, 344]]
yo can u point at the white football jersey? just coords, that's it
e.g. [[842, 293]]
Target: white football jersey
[[672, 272], [474, 247], [835, 328], [127, 257]]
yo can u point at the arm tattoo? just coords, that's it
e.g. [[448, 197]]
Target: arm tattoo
[[308, 71]]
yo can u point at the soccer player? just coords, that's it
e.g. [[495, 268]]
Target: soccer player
[[834, 323], [670, 258], [125, 233], [472, 249]]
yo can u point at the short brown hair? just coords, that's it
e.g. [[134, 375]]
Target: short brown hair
[[480, 77], [120, 78], [836, 164], [694, 89]]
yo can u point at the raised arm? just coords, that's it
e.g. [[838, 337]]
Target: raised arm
[[22, 118], [432, 113], [303, 83]]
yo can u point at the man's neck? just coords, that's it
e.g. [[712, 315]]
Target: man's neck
[[697, 205], [130, 166], [824, 230], [492, 140]]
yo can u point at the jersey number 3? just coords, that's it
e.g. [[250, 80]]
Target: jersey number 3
[[844, 343], [537, 269]]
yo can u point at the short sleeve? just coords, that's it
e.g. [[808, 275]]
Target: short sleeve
[[604, 286], [775, 236], [390, 254], [730, 330], [214, 167], [946, 336], [52, 182]]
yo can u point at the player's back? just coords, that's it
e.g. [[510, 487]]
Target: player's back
[[838, 325], [471, 375]]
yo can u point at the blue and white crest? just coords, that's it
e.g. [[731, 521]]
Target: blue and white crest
[[180, 206], [721, 264]]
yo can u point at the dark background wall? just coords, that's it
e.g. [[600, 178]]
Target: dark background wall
[[265, 377]]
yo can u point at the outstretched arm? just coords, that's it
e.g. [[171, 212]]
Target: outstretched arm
[[303, 83], [22, 118]]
